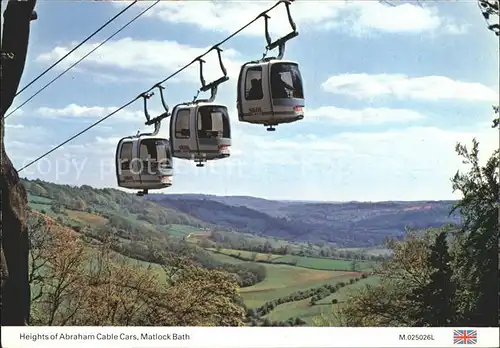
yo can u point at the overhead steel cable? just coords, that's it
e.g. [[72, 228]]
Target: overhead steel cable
[[82, 58], [78, 134], [76, 47], [154, 86]]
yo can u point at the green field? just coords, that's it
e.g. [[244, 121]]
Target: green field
[[326, 264], [39, 199], [248, 254], [369, 251], [182, 230], [39, 203], [87, 218], [304, 310], [299, 272], [281, 280], [302, 261]]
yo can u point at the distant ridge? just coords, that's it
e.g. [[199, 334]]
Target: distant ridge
[[349, 224]]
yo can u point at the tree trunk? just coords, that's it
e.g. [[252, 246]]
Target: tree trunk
[[15, 289]]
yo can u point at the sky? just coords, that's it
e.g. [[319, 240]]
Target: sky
[[390, 89]]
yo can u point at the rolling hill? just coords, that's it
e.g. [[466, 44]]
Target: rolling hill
[[350, 224]]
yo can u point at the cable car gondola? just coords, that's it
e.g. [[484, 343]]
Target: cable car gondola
[[144, 161], [200, 130], [270, 90]]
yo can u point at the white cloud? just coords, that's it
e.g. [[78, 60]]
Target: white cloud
[[405, 163], [148, 58], [17, 126], [357, 17], [93, 112], [366, 116], [404, 87]]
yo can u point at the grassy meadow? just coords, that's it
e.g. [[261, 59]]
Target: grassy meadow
[[285, 274]]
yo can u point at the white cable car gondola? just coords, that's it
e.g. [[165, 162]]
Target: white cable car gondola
[[144, 161], [200, 130], [270, 90]]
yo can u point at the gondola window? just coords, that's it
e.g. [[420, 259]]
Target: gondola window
[[154, 154], [213, 122], [253, 84], [286, 81], [126, 156], [182, 124]]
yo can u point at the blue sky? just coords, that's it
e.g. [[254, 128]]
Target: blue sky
[[389, 91]]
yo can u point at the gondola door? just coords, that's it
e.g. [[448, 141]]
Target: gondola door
[[156, 166], [183, 132], [125, 163], [286, 90], [256, 103]]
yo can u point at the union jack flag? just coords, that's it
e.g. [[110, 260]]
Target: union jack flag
[[464, 336]]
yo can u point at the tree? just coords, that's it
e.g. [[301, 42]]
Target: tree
[[389, 303], [476, 254], [436, 299], [490, 8], [80, 286], [14, 252], [354, 265]]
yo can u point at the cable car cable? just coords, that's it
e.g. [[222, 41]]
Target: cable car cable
[[79, 133], [214, 46], [81, 59], [76, 47], [157, 85]]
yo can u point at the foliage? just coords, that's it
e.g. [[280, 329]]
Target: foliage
[[353, 224], [77, 285], [490, 8], [323, 263], [315, 294], [111, 203], [436, 299], [428, 283], [476, 252], [387, 303]]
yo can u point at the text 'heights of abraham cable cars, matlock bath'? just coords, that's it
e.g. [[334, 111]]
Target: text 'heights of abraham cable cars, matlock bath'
[[270, 90], [144, 161], [200, 130]]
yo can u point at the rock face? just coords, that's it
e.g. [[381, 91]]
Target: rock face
[[15, 290]]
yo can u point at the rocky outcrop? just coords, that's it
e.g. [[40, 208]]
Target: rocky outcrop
[[15, 289]]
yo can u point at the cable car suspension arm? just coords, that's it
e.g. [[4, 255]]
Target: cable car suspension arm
[[280, 43], [145, 96], [213, 85], [156, 121]]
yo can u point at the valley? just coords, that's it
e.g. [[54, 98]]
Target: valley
[[292, 260]]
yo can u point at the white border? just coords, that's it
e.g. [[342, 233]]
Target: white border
[[240, 337]]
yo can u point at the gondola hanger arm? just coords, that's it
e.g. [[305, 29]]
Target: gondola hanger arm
[[204, 86], [280, 43], [145, 96], [162, 97]]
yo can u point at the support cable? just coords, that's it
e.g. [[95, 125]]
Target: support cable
[[155, 85], [76, 47]]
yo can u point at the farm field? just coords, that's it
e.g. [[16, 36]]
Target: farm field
[[369, 251], [282, 280], [302, 261], [87, 218], [304, 310], [248, 254], [182, 230], [285, 274]]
